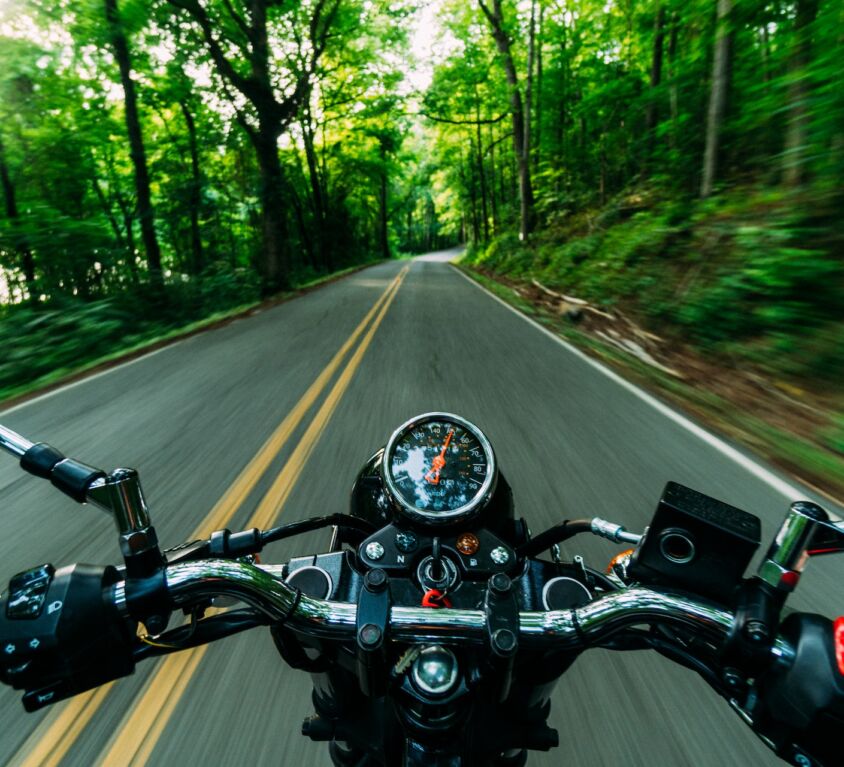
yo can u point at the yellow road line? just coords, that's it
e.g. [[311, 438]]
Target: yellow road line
[[154, 710], [67, 724], [139, 731], [275, 498], [242, 486], [57, 732]]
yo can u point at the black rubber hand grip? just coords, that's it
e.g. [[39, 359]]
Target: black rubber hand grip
[[40, 460], [74, 478]]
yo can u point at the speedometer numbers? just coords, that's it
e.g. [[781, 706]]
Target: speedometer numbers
[[439, 468]]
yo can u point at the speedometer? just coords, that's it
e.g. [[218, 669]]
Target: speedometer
[[439, 468]]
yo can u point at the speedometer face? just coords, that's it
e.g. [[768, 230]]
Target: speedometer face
[[439, 467]]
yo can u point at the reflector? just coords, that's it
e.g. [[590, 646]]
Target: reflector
[[838, 634]]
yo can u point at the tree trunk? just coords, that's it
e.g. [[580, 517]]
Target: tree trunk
[[195, 199], [531, 60], [128, 215], [537, 142], [721, 76], [109, 213], [562, 118], [502, 41], [383, 207], [480, 159], [136, 142], [322, 243], [469, 184], [19, 239], [275, 266], [652, 110], [493, 196], [673, 96], [301, 223], [799, 93]]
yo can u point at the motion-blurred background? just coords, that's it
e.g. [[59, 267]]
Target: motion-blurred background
[[658, 182]]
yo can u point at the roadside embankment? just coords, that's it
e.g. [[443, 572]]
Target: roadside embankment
[[733, 308]]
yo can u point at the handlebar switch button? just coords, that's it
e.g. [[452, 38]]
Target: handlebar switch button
[[28, 592]]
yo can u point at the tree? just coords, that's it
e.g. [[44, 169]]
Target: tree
[[236, 37], [495, 17], [799, 94], [718, 93], [120, 46], [19, 241]]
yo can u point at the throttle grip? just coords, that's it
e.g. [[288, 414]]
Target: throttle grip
[[60, 633]]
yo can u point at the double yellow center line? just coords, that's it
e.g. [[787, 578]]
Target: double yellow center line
[[142, 726]]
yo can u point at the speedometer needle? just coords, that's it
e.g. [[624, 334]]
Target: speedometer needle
[[433, 476]]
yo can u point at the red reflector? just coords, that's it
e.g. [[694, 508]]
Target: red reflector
[[838, 633], [789, 579]]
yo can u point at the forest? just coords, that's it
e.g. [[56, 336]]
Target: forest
[[167, 161]]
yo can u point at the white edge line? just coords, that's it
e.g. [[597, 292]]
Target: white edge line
[[789, 491], [87, 378]]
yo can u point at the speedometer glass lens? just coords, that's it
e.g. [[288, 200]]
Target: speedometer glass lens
[[439, 465]]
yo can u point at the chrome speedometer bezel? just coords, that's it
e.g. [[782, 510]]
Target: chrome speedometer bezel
[[440, 518]]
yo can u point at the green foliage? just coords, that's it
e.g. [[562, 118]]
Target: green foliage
[[708, 273], [771, 283], [73, 261], [833, 436], [42, 339]]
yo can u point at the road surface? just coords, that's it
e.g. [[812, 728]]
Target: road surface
[[193, 416]]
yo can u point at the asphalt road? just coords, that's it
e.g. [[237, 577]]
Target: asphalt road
[[190, 417]]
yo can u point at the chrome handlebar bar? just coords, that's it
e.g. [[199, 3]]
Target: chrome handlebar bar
[[13, 443], [262, 588], [807, 530]]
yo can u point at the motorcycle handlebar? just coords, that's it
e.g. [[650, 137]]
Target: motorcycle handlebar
[[261, 588], [13, 443]]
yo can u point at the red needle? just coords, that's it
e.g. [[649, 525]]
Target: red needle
[[433, 476]]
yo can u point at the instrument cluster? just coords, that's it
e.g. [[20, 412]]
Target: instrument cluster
[[439, 469]]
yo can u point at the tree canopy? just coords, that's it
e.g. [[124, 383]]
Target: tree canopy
[[174, 144]]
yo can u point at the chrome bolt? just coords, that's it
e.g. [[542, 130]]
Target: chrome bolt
[[374, 550], [435, 670], [499, 555]]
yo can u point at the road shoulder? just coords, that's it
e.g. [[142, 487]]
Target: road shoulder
[[820, 470]]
